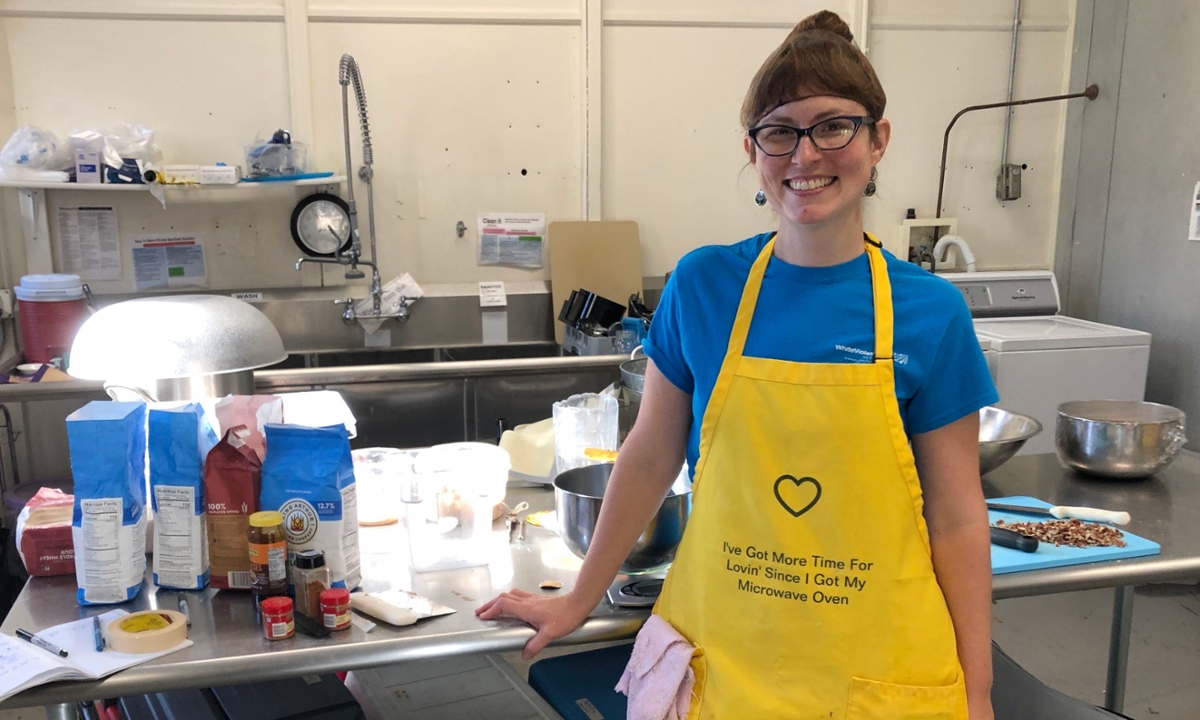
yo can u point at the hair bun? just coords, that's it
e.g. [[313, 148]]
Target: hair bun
[[825, 20]]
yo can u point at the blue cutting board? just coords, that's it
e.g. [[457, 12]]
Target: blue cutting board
[[1007, 560]]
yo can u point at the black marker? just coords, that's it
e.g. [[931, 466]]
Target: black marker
[[99, 636], [48, 647]]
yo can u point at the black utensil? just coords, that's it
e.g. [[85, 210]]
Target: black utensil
[[1013, 539]]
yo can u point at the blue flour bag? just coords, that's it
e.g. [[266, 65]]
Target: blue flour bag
[[308, 476], [180, 438], [108, 527]]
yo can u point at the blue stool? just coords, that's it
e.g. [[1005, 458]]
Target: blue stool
[[580, 686]]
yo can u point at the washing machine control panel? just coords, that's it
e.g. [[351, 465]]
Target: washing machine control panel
[[1008, 294]]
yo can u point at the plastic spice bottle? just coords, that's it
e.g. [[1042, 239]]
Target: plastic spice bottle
[[311, 578], [278, 622], [268, 555], [335, 608]]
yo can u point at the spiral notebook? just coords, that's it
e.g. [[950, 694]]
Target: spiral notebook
[[24, 665]]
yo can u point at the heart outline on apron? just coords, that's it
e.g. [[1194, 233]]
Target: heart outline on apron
[[798, 483]]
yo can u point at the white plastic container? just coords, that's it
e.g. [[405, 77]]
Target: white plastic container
[[381, 474], [448, 505]]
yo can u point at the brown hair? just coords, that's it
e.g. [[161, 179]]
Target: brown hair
[[817, 58]]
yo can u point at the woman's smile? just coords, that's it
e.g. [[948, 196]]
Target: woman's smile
[[809, 186]]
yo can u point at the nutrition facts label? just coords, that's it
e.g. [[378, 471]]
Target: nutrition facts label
[[100, 527], [178, 537]]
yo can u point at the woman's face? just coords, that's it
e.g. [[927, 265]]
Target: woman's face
[[812, 186]]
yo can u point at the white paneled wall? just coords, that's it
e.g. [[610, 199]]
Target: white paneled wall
[[464, 95]]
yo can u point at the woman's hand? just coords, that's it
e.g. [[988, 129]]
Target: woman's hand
[[552, 616]]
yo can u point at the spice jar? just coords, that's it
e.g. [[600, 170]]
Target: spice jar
[[311, 578], [278, 623], [268, 555], [335, 608]]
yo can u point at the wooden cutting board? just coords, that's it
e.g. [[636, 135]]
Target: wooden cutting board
[[604, 257]]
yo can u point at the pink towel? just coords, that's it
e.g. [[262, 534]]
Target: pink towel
[[658, 679]]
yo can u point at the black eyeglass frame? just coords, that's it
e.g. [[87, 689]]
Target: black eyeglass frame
[[801, 133]]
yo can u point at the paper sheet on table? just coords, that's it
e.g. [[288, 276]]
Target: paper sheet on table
[[394, 293], [516, 239], [168, 260], [89, 244], [23, 665]]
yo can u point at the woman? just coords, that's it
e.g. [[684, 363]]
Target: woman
[[828, 570]]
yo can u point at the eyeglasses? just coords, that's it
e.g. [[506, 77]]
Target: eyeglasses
[[831, 134]]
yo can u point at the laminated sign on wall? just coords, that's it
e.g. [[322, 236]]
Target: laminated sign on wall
[[168, 260], [88, 242], [514, 239]]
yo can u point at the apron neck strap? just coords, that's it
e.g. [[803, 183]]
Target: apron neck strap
[[881, 290]]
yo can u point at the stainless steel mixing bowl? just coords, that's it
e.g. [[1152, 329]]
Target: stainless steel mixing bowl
[[577, 496], [1118, 439], [1001, 435]]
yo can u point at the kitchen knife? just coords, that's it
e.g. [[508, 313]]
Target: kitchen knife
[[1062, 512], [1013, 539]]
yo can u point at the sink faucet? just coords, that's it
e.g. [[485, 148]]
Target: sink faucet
[[350, 316], [348, 75]]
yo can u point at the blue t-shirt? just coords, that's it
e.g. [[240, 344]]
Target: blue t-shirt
[[820, 315]]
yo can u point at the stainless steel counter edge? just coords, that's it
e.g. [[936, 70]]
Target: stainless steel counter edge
[[155, 676], [268, 380], [1114, 573]]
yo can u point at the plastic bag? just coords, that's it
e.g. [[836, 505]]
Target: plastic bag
[[117, 143], [253, 412], [277, 157], [44, 534], [35, 149]]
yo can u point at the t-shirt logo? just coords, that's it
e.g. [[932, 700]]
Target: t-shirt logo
[[793, 494]]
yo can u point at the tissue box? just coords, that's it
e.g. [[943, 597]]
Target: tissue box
[[87, 167]]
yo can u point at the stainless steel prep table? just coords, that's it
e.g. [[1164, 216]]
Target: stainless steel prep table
[[229, 647]]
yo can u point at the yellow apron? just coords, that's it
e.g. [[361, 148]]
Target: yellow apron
[[805, 578]]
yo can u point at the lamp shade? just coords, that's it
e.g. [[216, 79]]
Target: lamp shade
[[173, 337]]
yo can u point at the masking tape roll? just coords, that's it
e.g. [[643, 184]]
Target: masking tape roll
[[147, 631]]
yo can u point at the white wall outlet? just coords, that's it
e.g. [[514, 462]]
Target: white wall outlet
[[6, 303]]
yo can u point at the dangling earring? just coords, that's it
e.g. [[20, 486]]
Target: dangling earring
[[869, 190], [760, 198]]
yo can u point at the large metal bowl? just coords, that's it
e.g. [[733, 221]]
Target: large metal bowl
[[577, 496], [1117, 438], [1001, 434]]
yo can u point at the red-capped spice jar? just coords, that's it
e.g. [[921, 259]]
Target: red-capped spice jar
[[278, 622], [335, 608]]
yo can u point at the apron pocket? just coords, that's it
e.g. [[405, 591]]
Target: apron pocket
[[874, 700]]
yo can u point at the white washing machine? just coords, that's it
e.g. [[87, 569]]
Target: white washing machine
[[1039, 358]]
